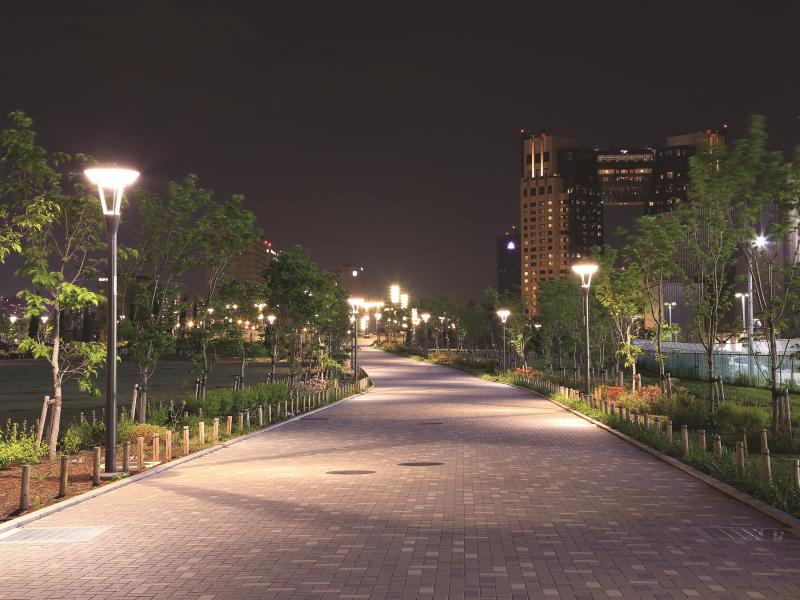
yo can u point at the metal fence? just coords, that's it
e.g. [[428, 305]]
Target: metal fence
[[733, 367]]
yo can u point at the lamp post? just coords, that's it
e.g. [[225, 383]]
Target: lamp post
[[759, 243], [115, 179], [585, 271], [503, 314], [743, 296], [425, 318], [378, 316], [669, 306], [355, 304]]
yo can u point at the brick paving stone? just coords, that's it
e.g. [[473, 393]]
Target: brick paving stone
[[531, 502]]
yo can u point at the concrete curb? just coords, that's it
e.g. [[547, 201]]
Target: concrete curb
[[105, 489], [784, 518]]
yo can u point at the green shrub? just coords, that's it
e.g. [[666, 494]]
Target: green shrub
[[80, 436], [732, 417], [683, 408], [128, 431], [221, 402], [19, 447]]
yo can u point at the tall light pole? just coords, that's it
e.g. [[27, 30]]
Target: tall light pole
[[669, 306], [503, 314], [759, 243], [425, 318], [355, 304], [743, 297], [585, 271], [115, 179]]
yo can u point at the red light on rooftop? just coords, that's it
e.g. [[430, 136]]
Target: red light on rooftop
[[267, 244]]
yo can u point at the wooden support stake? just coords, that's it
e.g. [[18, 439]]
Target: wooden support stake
[[766, 465], [229, 425], [63, 479], [739, 459], [795, 474], [168, 445], [684, 439], [215, 430], [25, 488], [764, 442], [42, 420], [269, 414], [701, 439], [201, 432], [744, 444], [260, 416], [717, 445], [240, 422], [126, 457], [140, 453], [669, 430], [156, 447], [185, 440]]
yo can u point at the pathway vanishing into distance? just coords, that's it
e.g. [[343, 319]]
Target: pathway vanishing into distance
[[529, 501]]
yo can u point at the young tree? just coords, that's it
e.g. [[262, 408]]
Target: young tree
[[559, 311], [651, 253], [227, 228], [166, 245], [57, 252], [620, 292], [722, 178], [767, 213]]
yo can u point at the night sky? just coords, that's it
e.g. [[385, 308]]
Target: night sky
[[386, 136]]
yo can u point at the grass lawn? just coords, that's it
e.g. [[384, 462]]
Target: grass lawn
[[23, 384]]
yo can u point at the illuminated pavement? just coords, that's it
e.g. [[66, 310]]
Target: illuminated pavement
[[529, 502]]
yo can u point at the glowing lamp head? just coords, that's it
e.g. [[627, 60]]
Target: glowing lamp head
[[511, 246], [260, 317], [271, 319], [585, 271], [394, 294], [403, 300], [13, 319], [503, 313], [760, 241], [425, 317], [378, 316], [355, 302], [45, 319], [111, 178]]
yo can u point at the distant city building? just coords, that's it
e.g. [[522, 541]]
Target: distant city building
[[250, 264], [574, 198], [508, 262], [560, 214], [353, 280]]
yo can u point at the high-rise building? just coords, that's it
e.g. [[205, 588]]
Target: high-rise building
[[560, 211], [250, 264], [508, 262]]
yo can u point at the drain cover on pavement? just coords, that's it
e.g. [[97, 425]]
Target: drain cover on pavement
[[350, 472], [420, 464], [743, 534], [44, 535]]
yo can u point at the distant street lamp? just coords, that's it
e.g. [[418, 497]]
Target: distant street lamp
[[271, 319], [669, 306], [585, 271], [115, 179], [504, 314], [377, 323], [425, 318], [355, 304]]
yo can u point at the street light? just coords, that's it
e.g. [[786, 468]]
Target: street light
[[355, 304], [115, 179], [669, 306], [394, 294], [425, 318], [585, 271], [504, 314], [744, 296], [403, 300], [271, 319]]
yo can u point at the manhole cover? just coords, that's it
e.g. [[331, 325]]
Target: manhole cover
[[420, 464], [44, 535], [743, 534], [315, 419], [350, 472], [432, 423]]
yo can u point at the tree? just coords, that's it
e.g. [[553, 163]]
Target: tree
[[651, 254], [242, 316], [167, 244], [227, 228], [559, 311], [766, 216], [57, 252], [722, 178], [620, 292]]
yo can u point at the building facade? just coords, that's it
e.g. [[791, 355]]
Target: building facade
[[250, 264]]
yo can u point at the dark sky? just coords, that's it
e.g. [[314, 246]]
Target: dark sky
[[385, 135]]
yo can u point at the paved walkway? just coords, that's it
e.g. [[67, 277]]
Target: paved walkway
[[530, 502]]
